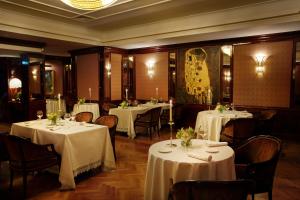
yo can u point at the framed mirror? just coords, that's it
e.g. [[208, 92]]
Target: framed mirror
[[49, 82]]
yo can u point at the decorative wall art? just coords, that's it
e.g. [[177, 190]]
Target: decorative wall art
[[199, 75]]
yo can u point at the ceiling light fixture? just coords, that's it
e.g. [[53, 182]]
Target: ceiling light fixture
[[88, 4]]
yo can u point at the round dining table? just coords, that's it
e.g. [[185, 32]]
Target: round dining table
[[209, 123], [180, 164]]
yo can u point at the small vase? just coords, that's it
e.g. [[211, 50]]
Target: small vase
[[53, 122], [186, 143]]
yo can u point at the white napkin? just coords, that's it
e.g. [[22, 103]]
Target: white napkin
[[216, 144], [200, 157]]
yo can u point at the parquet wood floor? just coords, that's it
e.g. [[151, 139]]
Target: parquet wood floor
[[127, 181]]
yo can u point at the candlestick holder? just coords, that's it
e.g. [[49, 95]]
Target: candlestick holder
[[171, 123]]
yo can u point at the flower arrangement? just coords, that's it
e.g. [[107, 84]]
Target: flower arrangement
[[186, 136], [81, 100], [52, 117], [124, 104], [153, 101], [220, 108]]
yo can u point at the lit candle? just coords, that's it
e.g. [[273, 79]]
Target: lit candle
[[90, 93], [156, 92], [126, 93], [58, 101], [171, 105]]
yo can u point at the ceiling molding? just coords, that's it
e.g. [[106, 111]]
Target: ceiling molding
[[196, 23]]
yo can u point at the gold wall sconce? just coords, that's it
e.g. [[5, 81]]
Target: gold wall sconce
[[34, 74], [227, 75], [150, 68], [108, 69], [260, 61]]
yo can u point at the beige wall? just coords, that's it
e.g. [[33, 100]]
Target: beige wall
[[58, 69], [145, 86], [87, 76], [116, 76], [271, 90]]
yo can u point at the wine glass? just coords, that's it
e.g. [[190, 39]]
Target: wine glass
[[39, 114], [67, 116]]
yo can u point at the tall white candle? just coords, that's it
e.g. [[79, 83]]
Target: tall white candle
[[156, 92], [58, 101], [90, 93], [171, 105], [126, 93]]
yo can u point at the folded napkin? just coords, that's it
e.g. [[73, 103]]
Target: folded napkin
[[200, 157], [216, 144]]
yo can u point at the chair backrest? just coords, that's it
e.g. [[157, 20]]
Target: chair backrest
[[261, 148], [211, 190], [267, 114], [155, 114], [84, 117], [110, 121], [260, 154], [106, 106], [239, 129]]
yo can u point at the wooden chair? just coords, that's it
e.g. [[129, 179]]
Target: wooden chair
[[111, 121], [210, 190], [84, 117], [149, 120], [106, 106], [237, 131], [265, 120], [26, 157], [3, 150], [256, 159]]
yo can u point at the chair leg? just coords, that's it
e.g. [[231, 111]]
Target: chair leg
[[252, 196], [150, 129], [158, 130], [11, 179], [270, 195], [24, 184]]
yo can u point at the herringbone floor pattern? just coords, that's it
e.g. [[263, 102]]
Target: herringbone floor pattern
[[127, 181]]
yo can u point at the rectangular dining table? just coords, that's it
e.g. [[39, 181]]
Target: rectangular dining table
[[82, 146]]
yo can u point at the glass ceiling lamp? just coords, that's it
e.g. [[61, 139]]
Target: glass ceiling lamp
[[88, 4]]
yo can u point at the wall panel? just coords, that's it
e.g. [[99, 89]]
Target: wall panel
[[273, 88], [146, 86], [87, 76]]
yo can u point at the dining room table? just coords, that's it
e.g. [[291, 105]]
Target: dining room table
[[127, 115], [87, 107], [209, 123], [82, 146], [203, 160]]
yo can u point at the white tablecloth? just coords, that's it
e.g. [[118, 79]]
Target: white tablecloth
[[209, 123], [87, 107], [164, 106], [126, 117], [179, 166], [52, 106], [82, 147]]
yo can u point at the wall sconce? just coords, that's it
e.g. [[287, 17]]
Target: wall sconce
[[150, 68], [227, 49], [68, 67], [34, 74], [108, 69], [260, 60], [227, 75]]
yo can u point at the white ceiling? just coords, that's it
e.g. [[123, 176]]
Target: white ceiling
[[142, 23]]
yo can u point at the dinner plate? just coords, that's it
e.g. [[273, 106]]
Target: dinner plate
[[165, 150], [212, 150], [89, 125]]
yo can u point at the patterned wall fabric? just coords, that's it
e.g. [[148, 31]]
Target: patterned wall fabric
[[87, 76], [116, 62], [146, 86], [273, 88]]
